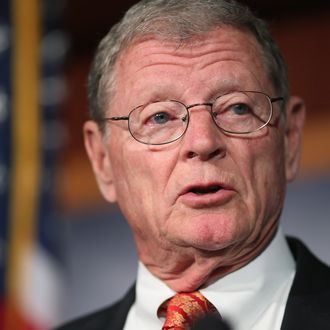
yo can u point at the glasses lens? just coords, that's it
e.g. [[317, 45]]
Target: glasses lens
[[158, 122], [242, 112]]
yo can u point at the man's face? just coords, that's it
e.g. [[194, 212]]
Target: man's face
[[166, 192]]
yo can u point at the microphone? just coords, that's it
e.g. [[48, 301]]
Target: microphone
[[210, 322]]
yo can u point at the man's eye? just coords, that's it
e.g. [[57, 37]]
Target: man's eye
[[240, 109], [160, 118]]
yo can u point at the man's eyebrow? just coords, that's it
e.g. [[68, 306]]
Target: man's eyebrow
[[228, 85], [160, 94], [163, 93]]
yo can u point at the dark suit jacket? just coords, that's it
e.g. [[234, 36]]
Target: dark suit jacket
[[308, 305]]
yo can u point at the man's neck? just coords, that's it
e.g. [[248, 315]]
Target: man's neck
[[188, 269]]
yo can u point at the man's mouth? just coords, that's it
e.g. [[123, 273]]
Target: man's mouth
[[201, 195], [199, 190]]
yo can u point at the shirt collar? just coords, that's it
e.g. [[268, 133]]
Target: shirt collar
[[241, 295]]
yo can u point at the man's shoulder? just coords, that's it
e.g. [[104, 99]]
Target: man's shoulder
[[308, 265], [109, 318], [308, 303], [94, 320]]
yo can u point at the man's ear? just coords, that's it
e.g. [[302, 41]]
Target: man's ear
[[99, 157], [295, 118]]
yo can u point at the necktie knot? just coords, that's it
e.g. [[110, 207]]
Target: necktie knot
[[185, 308]]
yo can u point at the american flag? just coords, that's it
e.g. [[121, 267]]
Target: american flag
[[32, 49]]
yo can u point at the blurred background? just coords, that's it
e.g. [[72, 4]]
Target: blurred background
[[57, 239]]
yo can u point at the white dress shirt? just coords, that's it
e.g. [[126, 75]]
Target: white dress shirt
[[251, 298]]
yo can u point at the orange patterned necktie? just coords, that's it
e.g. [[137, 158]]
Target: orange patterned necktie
[[185, 308]]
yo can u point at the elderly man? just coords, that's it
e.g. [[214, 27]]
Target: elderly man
[[195, 136]]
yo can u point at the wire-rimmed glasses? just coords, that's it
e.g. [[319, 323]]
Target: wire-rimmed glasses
[[162, 122]]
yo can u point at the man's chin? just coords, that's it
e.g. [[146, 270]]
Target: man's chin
[[208, 244], [210, 235]]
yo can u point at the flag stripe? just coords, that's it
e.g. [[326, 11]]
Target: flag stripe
[[25, 177]]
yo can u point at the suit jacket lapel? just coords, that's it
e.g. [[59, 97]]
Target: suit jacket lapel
[[120, 310], [308, 305]]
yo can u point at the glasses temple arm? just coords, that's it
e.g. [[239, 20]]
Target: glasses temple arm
[[276, 99], [116, 118]]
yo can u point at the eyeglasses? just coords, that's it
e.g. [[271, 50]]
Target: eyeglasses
[[162, 122]]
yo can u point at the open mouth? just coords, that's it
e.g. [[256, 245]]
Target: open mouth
[[205, 190]]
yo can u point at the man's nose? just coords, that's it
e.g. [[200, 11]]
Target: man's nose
[[203, 139]]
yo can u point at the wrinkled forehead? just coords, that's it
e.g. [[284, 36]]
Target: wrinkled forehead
[[221, 44], [184, 45]]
